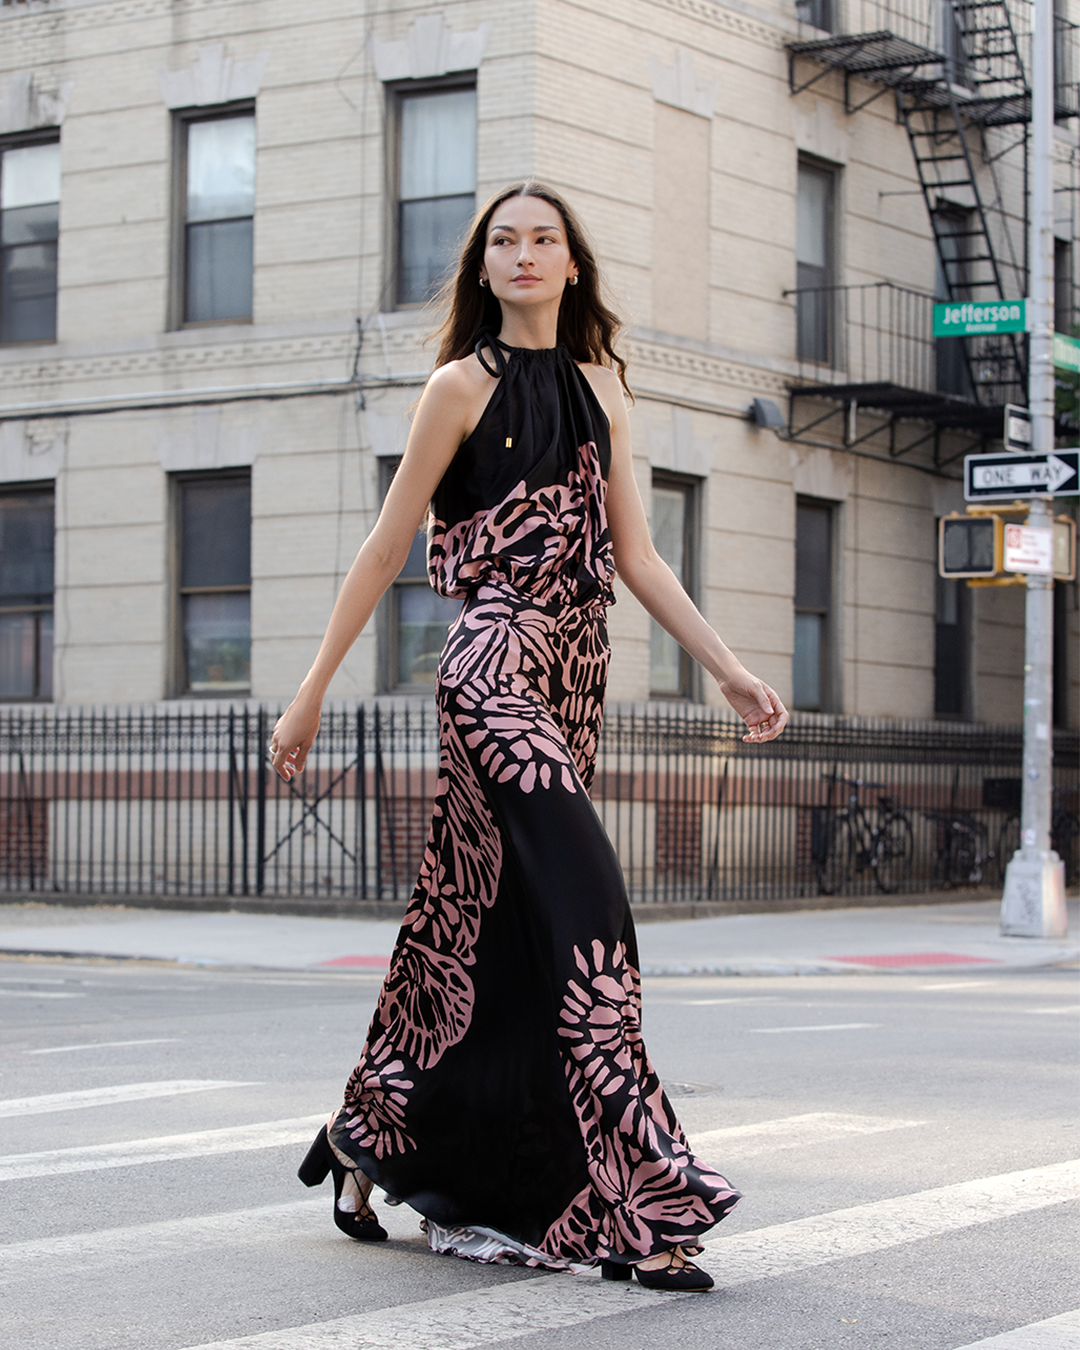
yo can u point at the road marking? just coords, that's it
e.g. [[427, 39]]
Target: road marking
[[1056, 1333], [845, 1233], [1050, 1012], [534, 1304], [918, 959], [36, 993], [823, 1026], [958, 984], [168, 1148], [109, 1096], [714, 1002], [792, 1132], [102, 1045], [32, 979]]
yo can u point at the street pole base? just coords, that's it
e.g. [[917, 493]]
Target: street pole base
[[1033, 904]]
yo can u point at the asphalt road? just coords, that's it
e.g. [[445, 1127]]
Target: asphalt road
[[152, 1119]]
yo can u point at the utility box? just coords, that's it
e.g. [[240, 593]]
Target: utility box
[[970, 546]]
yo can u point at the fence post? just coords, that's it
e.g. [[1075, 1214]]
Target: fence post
[[260, 818], [361, 797]]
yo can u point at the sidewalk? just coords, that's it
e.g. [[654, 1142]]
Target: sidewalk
[[961, 936]]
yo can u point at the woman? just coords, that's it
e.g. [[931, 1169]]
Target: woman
[[504, 1090]]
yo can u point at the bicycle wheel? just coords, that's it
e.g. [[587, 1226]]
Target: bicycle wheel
[[839, 858], [893, 853], [968, 853], [1008, 841]]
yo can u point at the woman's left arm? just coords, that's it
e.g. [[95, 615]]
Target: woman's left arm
[[652, 581]]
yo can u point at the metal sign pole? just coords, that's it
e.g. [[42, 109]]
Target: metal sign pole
[[1033, 904]]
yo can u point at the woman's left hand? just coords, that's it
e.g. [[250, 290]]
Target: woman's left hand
[[758, 706]]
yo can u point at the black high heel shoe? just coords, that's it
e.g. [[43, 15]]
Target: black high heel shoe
[[678, 1276], [362, 1225]]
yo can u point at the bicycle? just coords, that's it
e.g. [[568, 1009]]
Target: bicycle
[[1064, 838], [963, 849], [856, 838]]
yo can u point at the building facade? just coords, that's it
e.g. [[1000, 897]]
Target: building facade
[[221, 224]]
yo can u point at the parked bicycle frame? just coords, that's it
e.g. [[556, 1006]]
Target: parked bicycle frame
[[853, 838]]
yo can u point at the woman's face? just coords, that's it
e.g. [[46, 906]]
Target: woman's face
[[526, 256]]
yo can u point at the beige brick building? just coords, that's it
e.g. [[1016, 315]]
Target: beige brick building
[[220, 219]]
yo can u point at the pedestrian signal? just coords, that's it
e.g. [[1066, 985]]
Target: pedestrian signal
[[970, 546], [1064, 548]]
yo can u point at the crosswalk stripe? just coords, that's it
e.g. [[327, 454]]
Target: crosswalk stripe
[[111, 1247], [37, 993], [1055, 1333], [531, 1305], [743, 1141], [168, 1148], [888, 1223], [101, 1045], [820, 1026], [109, 1096], [739, 1140]]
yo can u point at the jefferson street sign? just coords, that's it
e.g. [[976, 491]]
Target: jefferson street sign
[[1066, 352], [1003, 477], [965, 319]]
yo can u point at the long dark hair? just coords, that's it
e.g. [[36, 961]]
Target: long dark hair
[[587, 326]]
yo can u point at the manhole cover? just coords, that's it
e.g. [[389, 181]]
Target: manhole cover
[[692, 1089]]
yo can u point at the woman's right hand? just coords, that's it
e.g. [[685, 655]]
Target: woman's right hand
[[293, 736]]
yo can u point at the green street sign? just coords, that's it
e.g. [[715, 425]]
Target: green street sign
[[965, 318], [1066, 352]]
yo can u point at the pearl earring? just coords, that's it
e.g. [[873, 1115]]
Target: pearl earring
[[483, 281], [572, 281]]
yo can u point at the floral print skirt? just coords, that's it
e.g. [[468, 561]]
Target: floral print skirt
[[504, 1090]]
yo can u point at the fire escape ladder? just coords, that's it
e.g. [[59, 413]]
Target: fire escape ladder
[[980, 82]]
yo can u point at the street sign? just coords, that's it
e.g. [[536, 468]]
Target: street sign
[[1066, 352], [1001, 477], [969, 546], [1029, 550], [1017, 433], [965, 319]]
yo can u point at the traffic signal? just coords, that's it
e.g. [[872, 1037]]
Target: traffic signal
[[970, 546]]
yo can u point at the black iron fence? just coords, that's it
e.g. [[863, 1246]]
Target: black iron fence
[[144, 803]]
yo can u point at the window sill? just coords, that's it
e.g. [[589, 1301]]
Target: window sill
[[240, 322]]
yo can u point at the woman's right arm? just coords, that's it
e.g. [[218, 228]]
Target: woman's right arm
[[444, 415]]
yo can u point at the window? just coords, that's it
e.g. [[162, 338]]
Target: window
[[1064, 312], [951, 44], [213, 537], [811, 664], [29, 228], [436, 185], [819, 13], [954, 231], [951, 635], [413, 620], [218, 227], [26, 592], [674, 532], [814, 271]]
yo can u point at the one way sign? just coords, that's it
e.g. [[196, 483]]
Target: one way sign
[[1003, 477]]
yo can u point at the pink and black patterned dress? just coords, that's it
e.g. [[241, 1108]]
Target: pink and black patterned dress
[[504, 1090]]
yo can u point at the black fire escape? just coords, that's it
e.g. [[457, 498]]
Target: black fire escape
[[954, 72]]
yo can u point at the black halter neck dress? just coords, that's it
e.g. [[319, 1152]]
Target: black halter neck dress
[[504, 1090]]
